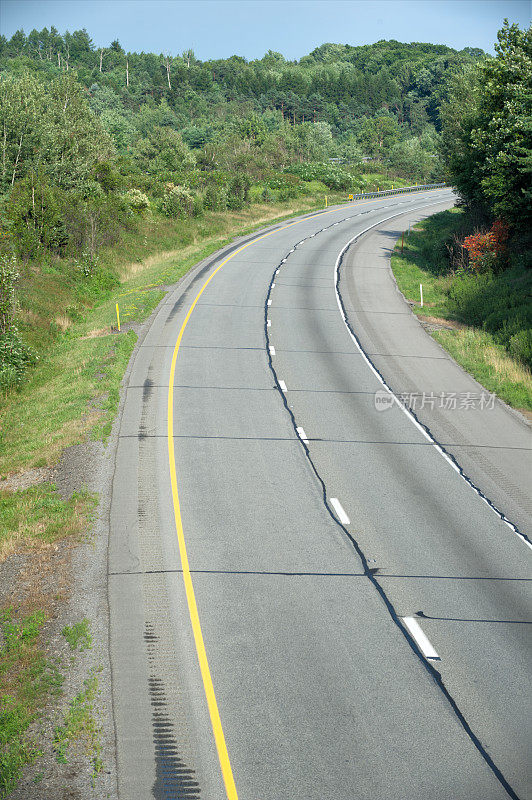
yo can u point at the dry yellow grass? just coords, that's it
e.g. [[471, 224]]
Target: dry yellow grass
[[508, 369], [35, 519], [129, 270], [63, 323], [27, 316], [225, 223], [97, 333], [490, 364]]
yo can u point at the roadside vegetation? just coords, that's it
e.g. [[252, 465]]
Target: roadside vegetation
[[30, 678], [489, 313], [475, 261]]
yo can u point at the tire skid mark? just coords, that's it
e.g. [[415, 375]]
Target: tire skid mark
[[369, 572]]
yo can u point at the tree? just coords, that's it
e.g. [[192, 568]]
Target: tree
[[502, 138], [411, 159], [49, 128], [163, 150], [487, 133], [72, 139], [459, 114], [22, 102], [378, 134]]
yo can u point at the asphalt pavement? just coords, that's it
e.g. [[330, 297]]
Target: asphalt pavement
[[360, 569]]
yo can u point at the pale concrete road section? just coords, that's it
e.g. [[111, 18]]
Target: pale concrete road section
[[315, 525]]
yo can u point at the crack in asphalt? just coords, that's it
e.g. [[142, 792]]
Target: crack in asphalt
[[369, 572]]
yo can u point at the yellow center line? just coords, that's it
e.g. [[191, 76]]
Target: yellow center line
[[223, 755]]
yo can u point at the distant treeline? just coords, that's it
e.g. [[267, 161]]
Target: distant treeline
[[334, 83]]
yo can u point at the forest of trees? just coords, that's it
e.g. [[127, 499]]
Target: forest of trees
[[93, 137], [94, 133]]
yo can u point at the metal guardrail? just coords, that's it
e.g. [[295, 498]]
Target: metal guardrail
[[401, 190]]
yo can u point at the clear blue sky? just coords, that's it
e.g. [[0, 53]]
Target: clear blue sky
[[220, 28]]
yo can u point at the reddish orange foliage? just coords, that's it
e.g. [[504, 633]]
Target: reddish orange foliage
[[480, 244]]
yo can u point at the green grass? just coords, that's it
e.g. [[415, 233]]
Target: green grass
[[37, 517], [80, 726], [78, 635], [27, 680], [423, 260], [496, 302]]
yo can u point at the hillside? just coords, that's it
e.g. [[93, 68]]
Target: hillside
[[336, 84]]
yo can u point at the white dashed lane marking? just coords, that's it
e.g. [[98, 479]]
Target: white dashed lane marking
[[421, 639], [342, 516]]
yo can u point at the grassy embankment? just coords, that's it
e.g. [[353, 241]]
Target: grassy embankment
[[489, 314], [69, 397]]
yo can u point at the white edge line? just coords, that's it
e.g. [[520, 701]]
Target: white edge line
[[403, 408], [342, 516], [282, 384], [421, 639]]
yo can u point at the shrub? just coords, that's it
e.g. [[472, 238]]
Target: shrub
[[108, 178], [520, 346], [238, 191], [35, 212], [92, 223], [288, 186], [267, 195], [485, 249], [215, 197], [15, 356], [87, 264], [498, 304], [331, 175], [177, 201], [197, 206], [8, 278], [137, 200]]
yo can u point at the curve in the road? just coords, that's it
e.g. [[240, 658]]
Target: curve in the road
[[423, 429], [368, 572]]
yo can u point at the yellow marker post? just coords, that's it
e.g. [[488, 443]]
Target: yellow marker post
[[118, 317], [325, 201]]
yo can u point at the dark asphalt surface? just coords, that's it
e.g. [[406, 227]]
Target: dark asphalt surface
[[321, 692]]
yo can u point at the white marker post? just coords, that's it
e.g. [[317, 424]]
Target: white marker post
[[421, 293]]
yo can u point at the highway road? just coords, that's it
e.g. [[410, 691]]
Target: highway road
[[314, 592]]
